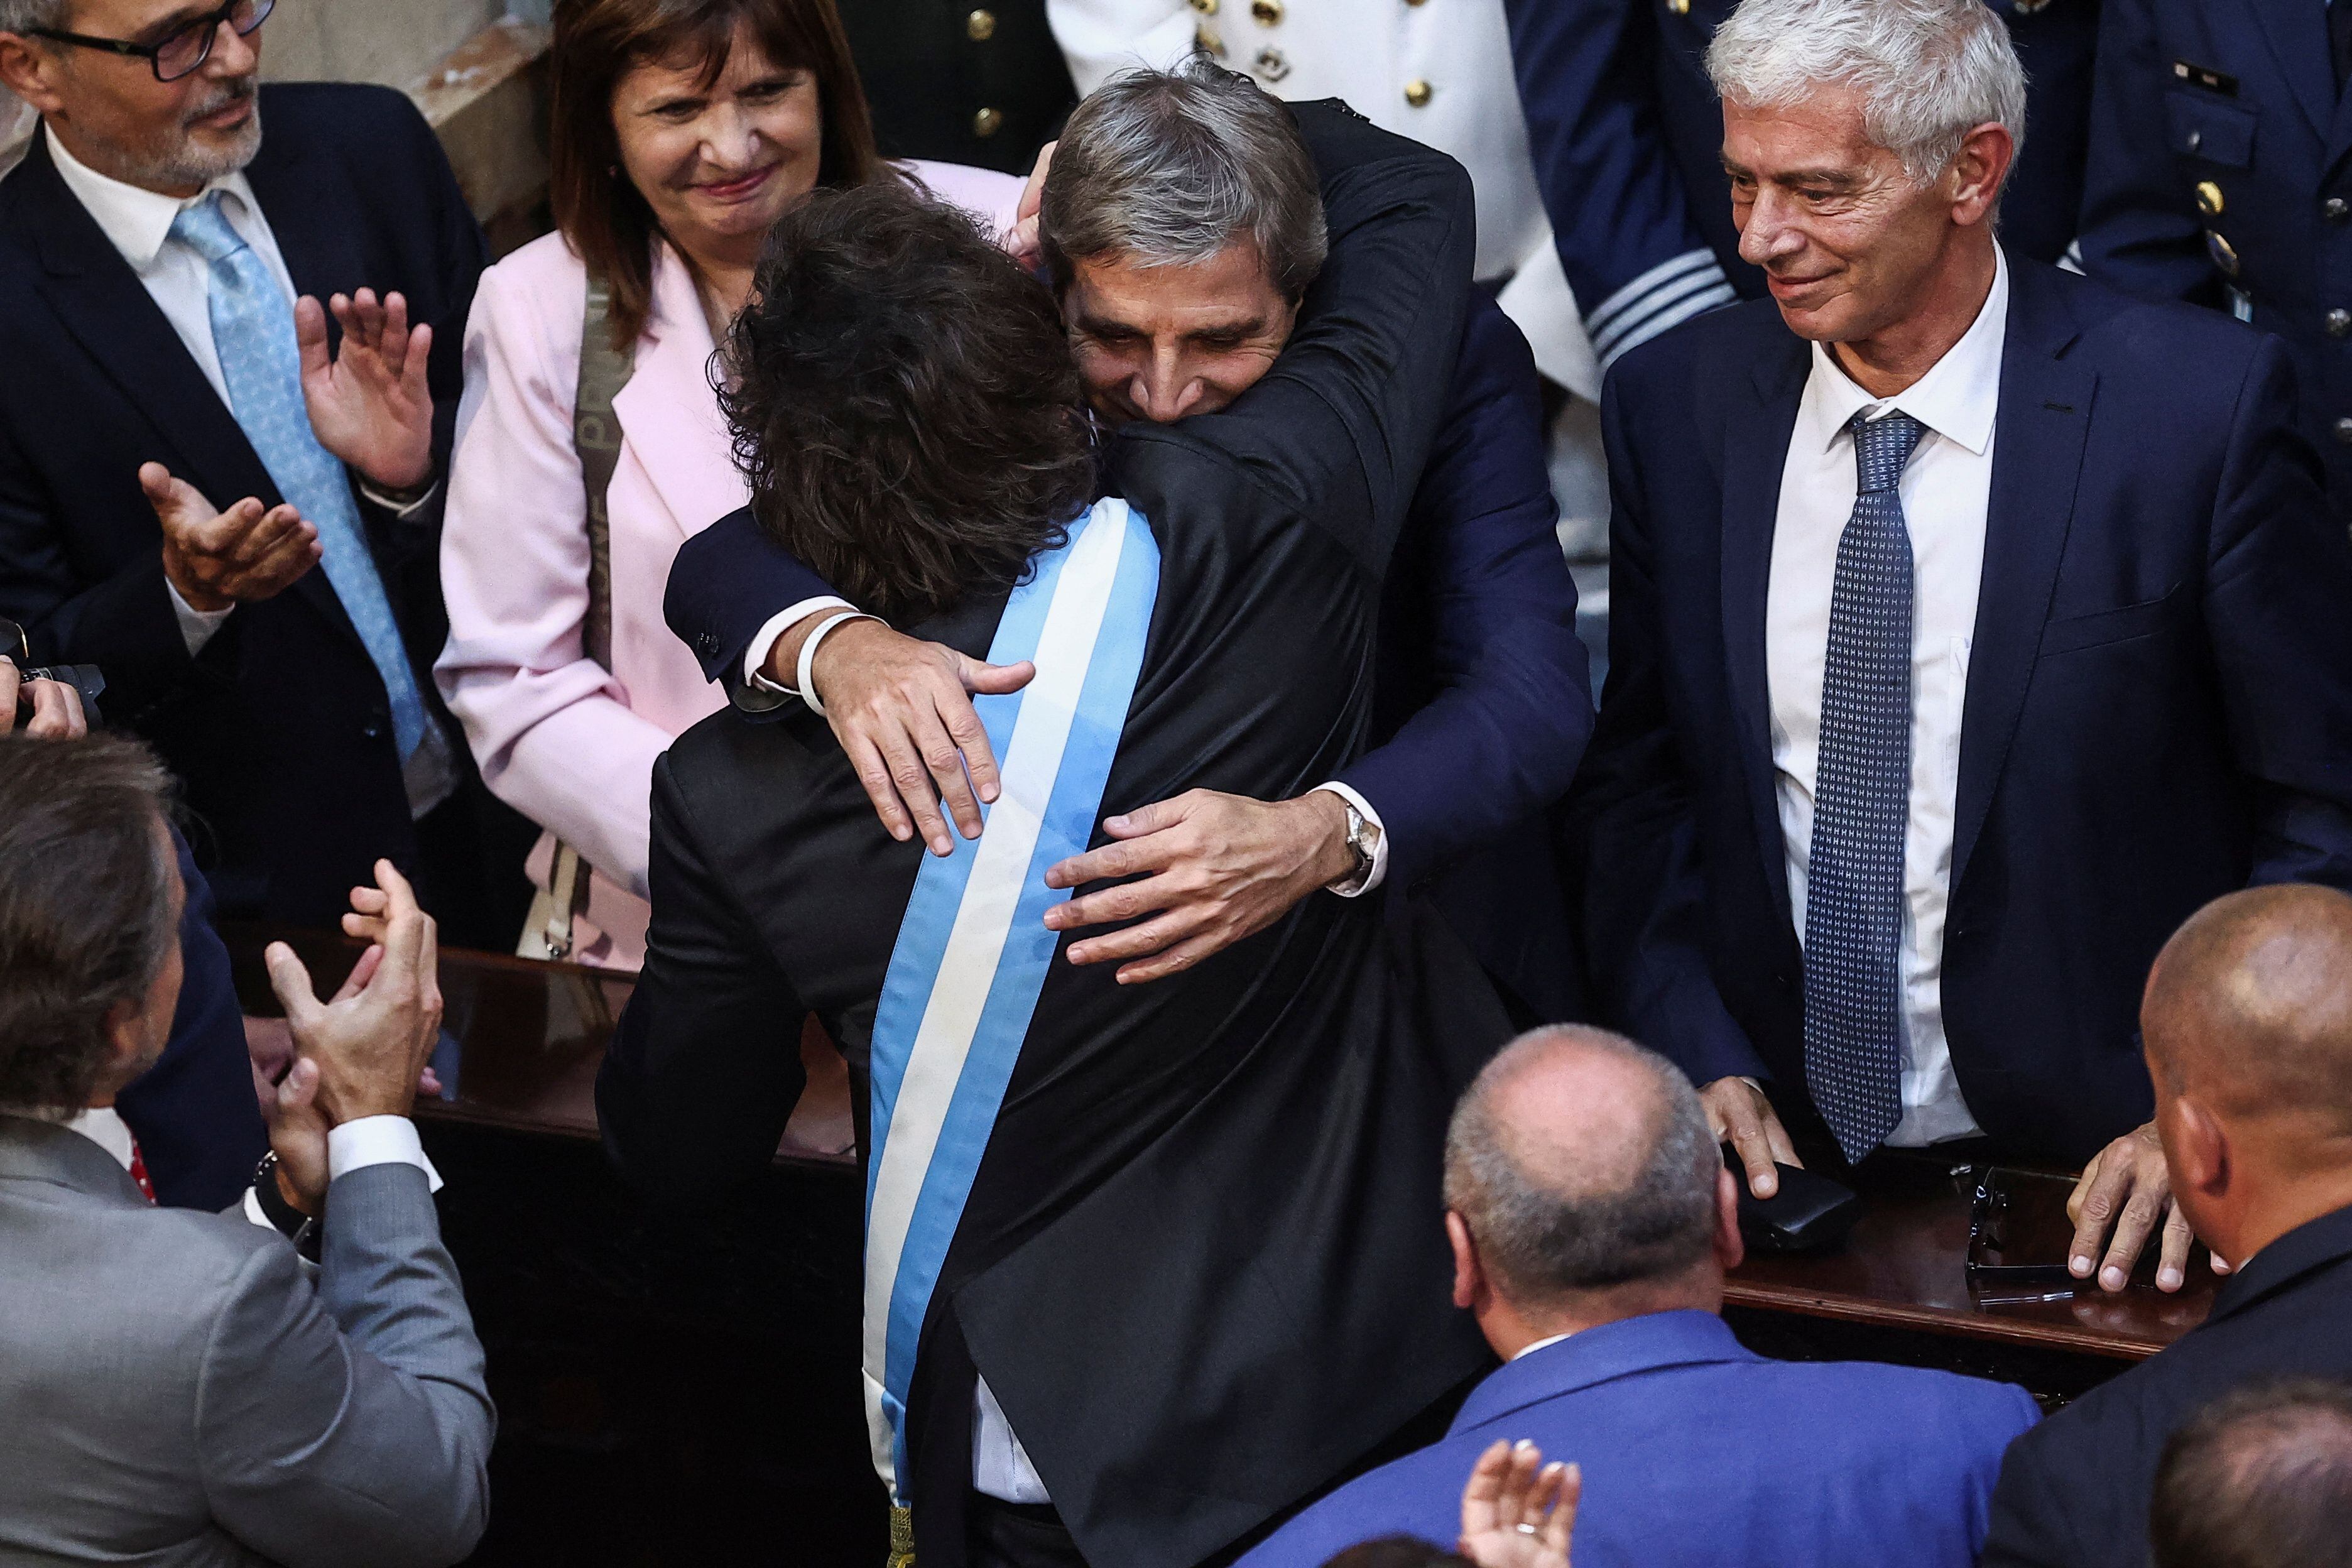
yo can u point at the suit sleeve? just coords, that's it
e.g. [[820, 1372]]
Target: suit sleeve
[[2032, 1517], [2140, 229], [1620, 213], [193, 1113], [701, 1077], [1513, 711], [1631, 832], [2276, 588], [349, 1427], [727, 583]]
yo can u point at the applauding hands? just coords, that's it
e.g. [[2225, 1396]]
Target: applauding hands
[[1518, 1511], [369, 404]]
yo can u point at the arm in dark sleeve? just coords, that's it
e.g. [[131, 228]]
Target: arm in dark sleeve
[[349, 1427], [2140, 229], [1513, 709], [2032, 1515], [1620, 213], [1340, 428], [728, 582], [704, 1071], [1630, 827], [193, 1113], [2277, 586]]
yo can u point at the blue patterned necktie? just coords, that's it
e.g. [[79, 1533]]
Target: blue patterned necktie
[[1861, 807], [253, 333]]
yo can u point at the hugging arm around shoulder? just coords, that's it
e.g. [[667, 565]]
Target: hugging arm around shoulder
[[349, 1426], [703, 1071]]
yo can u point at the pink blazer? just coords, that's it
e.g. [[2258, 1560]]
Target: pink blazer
[[566, 743]]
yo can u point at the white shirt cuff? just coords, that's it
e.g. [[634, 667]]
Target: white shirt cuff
[[196, 627], [399, 508], [765, 643], [376, 1141], [1379, 847], [253, 1211]]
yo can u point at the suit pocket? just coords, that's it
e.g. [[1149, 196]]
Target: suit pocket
[[2074, 633], [2199, 125]]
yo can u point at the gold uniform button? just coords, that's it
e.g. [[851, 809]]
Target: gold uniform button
[[985, 122], [2224, 254], [2208, 198], [1679, 7], [1206, 8], [1416, 93], [1268, 12], [1206, 38], [1270, 63], [980, 27], [1415, 2]]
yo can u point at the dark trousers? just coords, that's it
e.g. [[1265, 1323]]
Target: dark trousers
[[1000, 1534]]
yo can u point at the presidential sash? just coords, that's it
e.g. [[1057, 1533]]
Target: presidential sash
[[973, 950]]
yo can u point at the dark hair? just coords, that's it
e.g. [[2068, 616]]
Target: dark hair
[[597, 42], [1171, 167], [85, 908], [904, 403], [2260, 1478], [1398, 1551]]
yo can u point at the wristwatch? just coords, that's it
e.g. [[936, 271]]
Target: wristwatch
[[1363, 843], [296, 1227]]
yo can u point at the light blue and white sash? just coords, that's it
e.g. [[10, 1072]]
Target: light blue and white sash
[[973, 949]]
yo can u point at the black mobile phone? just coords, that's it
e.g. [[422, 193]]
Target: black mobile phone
[[1809, 1214]]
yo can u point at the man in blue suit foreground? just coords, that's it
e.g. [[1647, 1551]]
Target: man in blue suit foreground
[[1591, 1224], [1973, 625]]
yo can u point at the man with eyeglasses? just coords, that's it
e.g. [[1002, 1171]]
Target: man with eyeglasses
[[232, 379]]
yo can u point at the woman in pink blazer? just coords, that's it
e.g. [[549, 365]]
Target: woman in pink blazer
[[683, 128]]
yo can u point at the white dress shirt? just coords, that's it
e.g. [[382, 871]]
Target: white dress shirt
[[1946, 493], [138, 221], [352, 1146]]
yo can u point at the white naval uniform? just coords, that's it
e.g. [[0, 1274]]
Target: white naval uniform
[[1436, 70]]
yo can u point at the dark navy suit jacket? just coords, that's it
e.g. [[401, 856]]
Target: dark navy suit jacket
[[1843, 1462], [2158, 707], [1627, 135], [193, 1113], [2237, 96], [279, 730], [1483, 702], [2075, 1493]]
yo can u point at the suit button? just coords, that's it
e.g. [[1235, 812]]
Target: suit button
[[1679, 7], [2334, 209], [2196, 139], [1416, 93], [2344, 431], [2208, 198], [1206, 8], [1268, 12], [2224, 254], [2338, 322], [1415, 2], [1270, 63], [1206, 40], [372, 732], [980, 27], [985, 122]]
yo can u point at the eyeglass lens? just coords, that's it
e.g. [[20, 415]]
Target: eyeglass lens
[[191, 45]]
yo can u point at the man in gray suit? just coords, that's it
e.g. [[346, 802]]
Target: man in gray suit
[[181, 1387]]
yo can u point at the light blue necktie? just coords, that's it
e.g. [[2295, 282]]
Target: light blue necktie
[[1861, 807], [253, 333]]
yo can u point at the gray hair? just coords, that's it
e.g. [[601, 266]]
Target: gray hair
[[85, 908], [1929, 72], [23, 15], [2261, 1476], [1545, 1227], [1168, 168]]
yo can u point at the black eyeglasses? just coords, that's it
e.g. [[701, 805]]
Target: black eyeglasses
[[184, 48]]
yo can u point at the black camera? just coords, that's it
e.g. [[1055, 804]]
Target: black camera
[[84, 678]]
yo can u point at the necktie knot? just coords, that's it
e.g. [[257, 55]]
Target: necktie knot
[[206, 229], [1882, 447]]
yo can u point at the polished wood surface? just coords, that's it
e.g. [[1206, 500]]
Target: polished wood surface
[[1905, 1266]]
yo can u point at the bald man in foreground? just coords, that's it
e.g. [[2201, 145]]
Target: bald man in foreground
[[1591, 1221], [2247, 1023]]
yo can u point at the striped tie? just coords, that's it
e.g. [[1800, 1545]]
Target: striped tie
[[1861, 807]]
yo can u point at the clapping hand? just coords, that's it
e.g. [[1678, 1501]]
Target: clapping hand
[[1518, 1511], [1021, 241], [371, 1040], [369, 404], [217, 559]]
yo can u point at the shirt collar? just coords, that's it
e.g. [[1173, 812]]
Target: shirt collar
[[104, 1126], [135, 220], [1957, 398], [1626, 1348]]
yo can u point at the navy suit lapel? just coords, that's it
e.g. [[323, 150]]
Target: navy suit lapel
[[2044, 417], [1758, 427], [2297, 33], [109, 311]]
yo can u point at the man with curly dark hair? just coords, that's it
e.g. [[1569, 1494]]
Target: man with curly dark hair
[[1126, 1263]]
